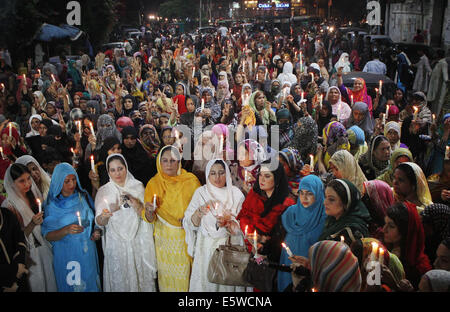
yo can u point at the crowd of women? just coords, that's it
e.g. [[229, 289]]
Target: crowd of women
[[102, 192]]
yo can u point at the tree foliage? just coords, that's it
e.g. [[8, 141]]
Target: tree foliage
[[179, 9]]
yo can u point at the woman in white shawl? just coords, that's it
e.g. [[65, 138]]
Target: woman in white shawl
[[39, 102], [208, 228], [128, 246], [337, 105], [287, 74], [22, 201], [343, 62], [34, 122], [39, 175]]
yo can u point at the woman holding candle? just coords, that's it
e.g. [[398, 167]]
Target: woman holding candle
[[39, 175], [376, 160], [399, 156], [208, 228], [346, 213], [262, 109], [303, 223], [410, 185], [128, 246], [22, 195], [13, 146], [359, 91], [335, 138], [344, 166], [404, 236], [340, 109], [393, 133], [305, 137], [174, 188], [262, 209], [292, 163], [73, 245]]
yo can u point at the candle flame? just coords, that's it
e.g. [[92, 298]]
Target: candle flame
[[246, 228], [374, 246], [283, 244], [416, 109], [92, 157], [313, 290], [342, 239], [78, 213], [38, 201]]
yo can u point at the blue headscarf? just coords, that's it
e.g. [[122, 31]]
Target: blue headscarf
[[303, 225], [60, 211], [359, 133]]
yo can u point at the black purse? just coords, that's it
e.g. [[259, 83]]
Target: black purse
[[260, 276]]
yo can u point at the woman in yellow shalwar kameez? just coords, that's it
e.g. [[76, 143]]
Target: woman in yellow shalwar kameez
[[174, 188]]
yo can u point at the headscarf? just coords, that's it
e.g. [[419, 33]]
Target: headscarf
[[334, 138], [151, 150], [19, 203], [305, 137], [423, 192], [295, 163], [438, 215], [361, 95], [381, 198], [173, 193], [256, 153], [340, 107], [45, 178], [41, 99], [356, 135], [126, 112], [355, 214], [388, 176], [303, 224], [105, 132], [392, 125], [334, 268], [368, 159], [32, 131], [266, 115], [439, 280], [287, 75], [415, 242], [343, 62], [349, 168], [366, 123], [322, 121]]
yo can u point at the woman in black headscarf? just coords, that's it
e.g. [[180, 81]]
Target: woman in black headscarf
[[324, 116], [139, 164], [129, 104]]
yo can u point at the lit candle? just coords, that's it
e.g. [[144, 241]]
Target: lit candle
[[1, 151], [384, 119], [301, 62], [92, 163], [39, 72], [416, 110], [313, 290], [24, 79], [342, 239], [79, 218], [311, 163], [381, 87], [53, 78], [92, 128], [39, 204], [78, 122], [320, 101], [3, 86], [221, 145], [67, 96], [256, 66], [387, 111], [303, 96], [10, 129], [351, 97], [193, 72], [203, 104], [447, 149], [374, 251], [246, 229], [73, 152], [339, 112], [245, 176], [312, 77], [267, 72], [433, 118], [154, 200], [288, 250], [381, 257]]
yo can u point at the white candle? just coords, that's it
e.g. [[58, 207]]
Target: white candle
[[1, 150], [311, 163], [387, 111], [92, 128], [342, 239], [288, 250], [416, 110], [79, 218], [53, 78], [39, 72], [203, 104], [312, 77], [92, 163], [10, 129], [267, 72], [381, 87], [255, 242], [78, 122], [339, 112], [301, 62], [193, 72], [246, 228], [373, 255], [39, 204], [381, 257], [24, 79], [154, 201], [321, 100], [221, 145], [384, 119], [351, 97], [73, 152], [303, 96], [447, 149], [245, 176], [433, 118], [3, 86]]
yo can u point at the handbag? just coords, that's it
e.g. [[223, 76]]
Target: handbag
[[227, 265], [260, 276]]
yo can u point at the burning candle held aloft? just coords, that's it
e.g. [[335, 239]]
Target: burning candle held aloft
[[288, 250], [154, 201], [416, 111], [39, 204], [93, 164], [92, 128]]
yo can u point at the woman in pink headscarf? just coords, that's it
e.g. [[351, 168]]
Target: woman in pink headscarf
[[359, 91], [378, 197]]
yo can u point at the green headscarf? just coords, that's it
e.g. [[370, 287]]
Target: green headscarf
[[266, 115], [356, 217], [388, 176]]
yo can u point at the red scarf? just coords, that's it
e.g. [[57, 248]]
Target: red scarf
[[181, 99], [361, 96]]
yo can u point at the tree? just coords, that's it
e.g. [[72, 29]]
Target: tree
[[179, 9]]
